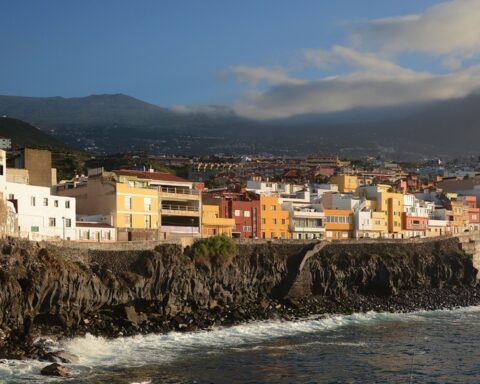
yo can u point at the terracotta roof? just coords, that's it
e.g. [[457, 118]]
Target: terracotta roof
[[291, 173], [162, 176]]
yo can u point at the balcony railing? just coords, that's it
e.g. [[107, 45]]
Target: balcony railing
[[180, 229], [175, 207], [181, 191]]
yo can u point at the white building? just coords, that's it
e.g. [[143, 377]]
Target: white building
[[39, 214], [317, 191], [306, 222], [412, 206], [270, 187], [5, 143], [340, 201]]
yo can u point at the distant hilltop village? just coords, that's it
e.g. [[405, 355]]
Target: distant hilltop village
[[343, 201]]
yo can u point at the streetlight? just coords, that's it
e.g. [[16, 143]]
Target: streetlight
[[63, 222]]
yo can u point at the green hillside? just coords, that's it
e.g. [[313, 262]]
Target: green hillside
[[26, 135]]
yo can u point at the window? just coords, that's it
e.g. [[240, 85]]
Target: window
[[32, 201], [272, 235], [11, 197], [148, 221], [283, 221], [55, 203], [67, 204], [45, 201], [237, 212], [247, 228], [68, 223], [128, 202], [128, 221], [52, 222], [274, 221], [273, 207], [282, 235], [264, 207], [246, 213], [264, 221], [147, 204]]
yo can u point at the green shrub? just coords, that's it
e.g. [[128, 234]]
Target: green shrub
[[217, 249]]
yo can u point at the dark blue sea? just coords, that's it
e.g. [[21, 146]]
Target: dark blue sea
[[419, 347]]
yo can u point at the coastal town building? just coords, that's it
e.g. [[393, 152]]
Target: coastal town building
[[128, 206], [213, 224], [243, 207], [179, 201], [5, 143], [274, 219], [306, 222], [36, 213], [338, 224], [345, 183]]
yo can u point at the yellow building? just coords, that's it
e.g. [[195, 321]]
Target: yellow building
[[338, 224], [346, 183], [213, 224], [379, 223], [136, 207], [273, 220], [392, 204]]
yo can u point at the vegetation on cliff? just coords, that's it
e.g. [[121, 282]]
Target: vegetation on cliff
[[217, 250]]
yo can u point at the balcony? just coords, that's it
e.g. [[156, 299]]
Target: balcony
[[307, 229], [180, 230], [179, 210], [178, 193]]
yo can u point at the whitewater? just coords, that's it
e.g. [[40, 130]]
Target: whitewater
[[431, 347]]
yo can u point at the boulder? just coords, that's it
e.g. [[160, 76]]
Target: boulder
[[55, 369]]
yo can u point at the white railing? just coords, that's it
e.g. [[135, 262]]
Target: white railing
[[179, 229]]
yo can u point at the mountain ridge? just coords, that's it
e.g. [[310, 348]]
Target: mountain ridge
[[116, 123]]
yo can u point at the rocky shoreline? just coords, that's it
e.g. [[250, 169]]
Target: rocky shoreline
[[45, 291]]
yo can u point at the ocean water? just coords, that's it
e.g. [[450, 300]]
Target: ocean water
[[419, 347]]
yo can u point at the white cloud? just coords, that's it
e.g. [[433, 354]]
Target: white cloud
[[256, 75], [365, 62], [447, 32], [445, 28], [357, 90]]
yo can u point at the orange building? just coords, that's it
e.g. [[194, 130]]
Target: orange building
[[273, 220], [213, 224], [338, 224], [345, 183]]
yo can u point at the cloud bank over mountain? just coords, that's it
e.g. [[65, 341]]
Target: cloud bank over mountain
[[369, 70]]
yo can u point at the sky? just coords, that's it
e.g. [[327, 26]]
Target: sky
[[264, 58]]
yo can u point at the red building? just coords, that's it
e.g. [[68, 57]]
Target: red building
[[414, 226], [243, 207]]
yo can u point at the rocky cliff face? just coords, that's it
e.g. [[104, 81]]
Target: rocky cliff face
[[48, 290]]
